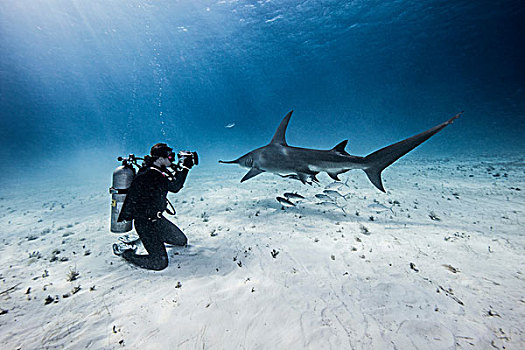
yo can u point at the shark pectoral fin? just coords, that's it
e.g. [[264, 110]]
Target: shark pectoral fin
[[253, 172]]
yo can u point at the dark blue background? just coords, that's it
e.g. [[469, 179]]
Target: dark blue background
[[96, 79]]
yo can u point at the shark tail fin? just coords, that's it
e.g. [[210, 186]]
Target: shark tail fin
[[376, 162]]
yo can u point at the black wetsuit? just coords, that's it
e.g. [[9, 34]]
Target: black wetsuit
[[145, 202]]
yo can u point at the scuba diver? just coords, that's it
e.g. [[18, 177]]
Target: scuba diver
[[146, 201]]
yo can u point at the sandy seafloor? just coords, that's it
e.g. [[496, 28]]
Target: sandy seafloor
[[258, 277]]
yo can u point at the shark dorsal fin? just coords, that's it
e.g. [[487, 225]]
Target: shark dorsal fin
[[340, 147], [280, 135]]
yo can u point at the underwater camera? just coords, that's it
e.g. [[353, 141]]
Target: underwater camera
[[187, 159]]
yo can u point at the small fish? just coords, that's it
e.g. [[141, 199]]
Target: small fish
[[284, 202], [378, 207], [335, 194], [324, 197], [337, 184], [229, 126], [289, 195], [331, 205], [334, 185], [310, 180]]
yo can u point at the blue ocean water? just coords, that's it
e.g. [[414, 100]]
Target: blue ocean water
[[86, 81]]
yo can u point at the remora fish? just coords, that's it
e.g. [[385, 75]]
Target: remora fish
[[289, 195], [310, 180], [229, 126], [284, 202], [279, 158]]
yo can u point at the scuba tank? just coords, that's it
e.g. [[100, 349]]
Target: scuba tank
[[124, 175], [122, 178]]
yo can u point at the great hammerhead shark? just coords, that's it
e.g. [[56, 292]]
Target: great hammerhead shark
[[304, 164]]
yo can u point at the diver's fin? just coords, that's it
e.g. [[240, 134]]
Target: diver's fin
[[280, 135], [379, 160], [119, 249], [340, 148], [253, 172]]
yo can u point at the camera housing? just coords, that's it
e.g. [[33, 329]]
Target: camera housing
[[187, 156]]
